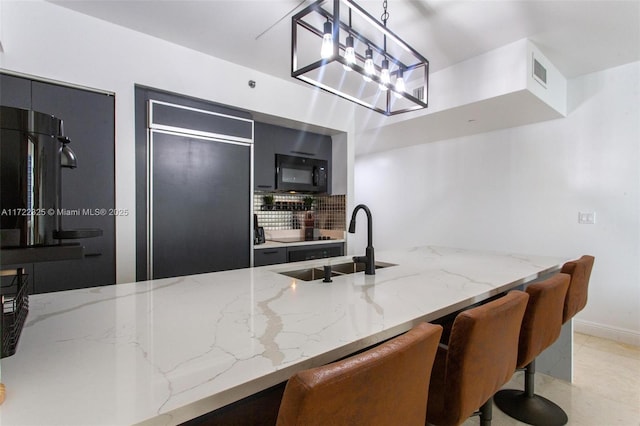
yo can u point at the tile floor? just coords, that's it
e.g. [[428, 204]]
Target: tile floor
[[605, 389]]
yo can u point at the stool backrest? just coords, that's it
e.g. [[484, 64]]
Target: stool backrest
[[542, 320], [385, 385], [482, 354], [580, 271]]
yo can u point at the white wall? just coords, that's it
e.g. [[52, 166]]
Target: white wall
[[48, 41], [521, 189]]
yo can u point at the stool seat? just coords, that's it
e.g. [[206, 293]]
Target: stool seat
[[480, 357], [541, 327], [547, 311], [386, 385]]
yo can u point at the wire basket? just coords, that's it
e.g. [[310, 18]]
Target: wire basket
[[15, 306]]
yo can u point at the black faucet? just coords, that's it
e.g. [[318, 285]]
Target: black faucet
[[368, 259]]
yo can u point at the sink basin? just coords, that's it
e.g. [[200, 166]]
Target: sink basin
[[352, 267], [309, 274], [312, 274]]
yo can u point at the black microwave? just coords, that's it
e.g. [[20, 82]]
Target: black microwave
[[301, 174]]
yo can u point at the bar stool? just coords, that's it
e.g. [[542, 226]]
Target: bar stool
[[385, 385], [479, 359], [580, 271], [541, 327]]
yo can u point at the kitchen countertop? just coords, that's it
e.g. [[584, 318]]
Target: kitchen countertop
[[167, 350]]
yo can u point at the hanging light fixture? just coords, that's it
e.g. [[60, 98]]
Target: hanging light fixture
[[369, 68], [349, 51], [385, 77], [349, 54], [400, 86], [400, 75], [327, 41]]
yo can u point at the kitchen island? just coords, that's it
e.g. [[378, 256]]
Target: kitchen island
[[165, 351]]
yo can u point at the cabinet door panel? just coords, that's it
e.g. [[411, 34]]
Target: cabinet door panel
[[200, 205], [89, 123], [264, 158], [15, 91], [262, 257]]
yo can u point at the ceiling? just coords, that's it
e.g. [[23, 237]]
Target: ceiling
[[578, 36]]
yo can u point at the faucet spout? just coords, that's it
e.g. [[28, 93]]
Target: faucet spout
[[369, 258]]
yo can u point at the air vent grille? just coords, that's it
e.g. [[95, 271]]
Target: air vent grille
[[539, 72]]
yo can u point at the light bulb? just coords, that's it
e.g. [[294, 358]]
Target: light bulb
[[349, 54], [385, 78], [400, 86], [369, 69], [327, 41]]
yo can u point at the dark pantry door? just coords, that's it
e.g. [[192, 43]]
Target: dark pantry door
[[200, 205]]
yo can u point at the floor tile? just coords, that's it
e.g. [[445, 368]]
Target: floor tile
[[605, 391]]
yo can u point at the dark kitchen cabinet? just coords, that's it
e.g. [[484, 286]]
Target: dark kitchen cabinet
[[271, 139], [264, 160], [314, 251], [302, 144], [15, 91], [89, 120], [272, 256], [194, 197], [269, 256]]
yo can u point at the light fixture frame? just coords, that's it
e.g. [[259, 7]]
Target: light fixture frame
[[298, 22]]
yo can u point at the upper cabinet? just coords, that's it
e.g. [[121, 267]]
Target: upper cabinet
[[264, 159], [270, 140], [15, 91]]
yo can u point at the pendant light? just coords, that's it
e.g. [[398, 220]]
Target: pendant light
[[349, 54], [327, 41], [385, 77], [364, 47], [369, 68], [400, 86], [384, 73], [349, 51]]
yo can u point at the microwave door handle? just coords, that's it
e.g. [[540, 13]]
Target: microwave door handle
[[315, 176]]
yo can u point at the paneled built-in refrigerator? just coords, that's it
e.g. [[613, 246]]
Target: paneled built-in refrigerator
[[199, 191]]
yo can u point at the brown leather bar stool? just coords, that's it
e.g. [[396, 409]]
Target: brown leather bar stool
[[386, 385], [548, 413], [479, 359], [541, 327], [580, 271]]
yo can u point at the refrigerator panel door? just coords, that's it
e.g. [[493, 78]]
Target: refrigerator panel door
[[200, 205]]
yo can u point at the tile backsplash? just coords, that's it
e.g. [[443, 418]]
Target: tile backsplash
[[288, 211]]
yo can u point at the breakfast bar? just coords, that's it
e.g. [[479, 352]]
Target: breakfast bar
[[165, 351]]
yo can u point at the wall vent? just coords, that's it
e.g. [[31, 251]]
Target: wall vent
[[539, 73]]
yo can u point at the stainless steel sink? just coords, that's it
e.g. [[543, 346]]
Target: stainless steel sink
[[352, 267], [312, 274], [309, 274]]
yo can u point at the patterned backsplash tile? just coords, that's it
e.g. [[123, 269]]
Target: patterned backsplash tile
[[287, 211]]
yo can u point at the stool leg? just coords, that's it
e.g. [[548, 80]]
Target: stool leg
[[486, 413], [528, 407]]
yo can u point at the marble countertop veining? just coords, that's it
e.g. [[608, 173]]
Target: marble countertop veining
[[164, 351]]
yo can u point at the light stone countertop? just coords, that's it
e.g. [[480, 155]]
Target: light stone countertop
[[164, 351]]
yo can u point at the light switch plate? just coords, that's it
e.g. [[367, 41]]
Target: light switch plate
[[587, 218]]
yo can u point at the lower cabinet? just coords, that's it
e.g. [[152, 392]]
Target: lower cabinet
[[272, 256]]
